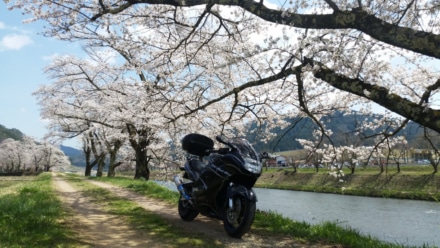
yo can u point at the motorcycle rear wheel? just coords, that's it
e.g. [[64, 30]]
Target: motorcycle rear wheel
[[186, 211], [238, 220]]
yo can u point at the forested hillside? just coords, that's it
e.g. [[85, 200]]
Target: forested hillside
[[344, 127], [13, 133], [76, 156]]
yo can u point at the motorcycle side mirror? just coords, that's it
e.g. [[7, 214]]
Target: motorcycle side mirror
[[264, 155], [222, 139]]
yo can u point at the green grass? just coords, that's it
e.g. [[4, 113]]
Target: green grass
[[30, 215], [270, 223], [155, 226], [149, 188]]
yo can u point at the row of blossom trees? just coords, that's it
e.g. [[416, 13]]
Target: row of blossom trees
[[156, 70], [118, 114], [393, 150], [29, 156]]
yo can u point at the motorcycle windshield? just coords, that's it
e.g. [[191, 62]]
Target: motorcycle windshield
[[247, 152]]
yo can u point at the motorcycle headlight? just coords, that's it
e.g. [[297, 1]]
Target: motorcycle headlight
[[252, 165]]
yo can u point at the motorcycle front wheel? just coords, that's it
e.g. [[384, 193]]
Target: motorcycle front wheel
[[186, 211], [238, 220]]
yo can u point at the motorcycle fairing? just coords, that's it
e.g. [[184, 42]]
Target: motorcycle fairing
[[237, 189]]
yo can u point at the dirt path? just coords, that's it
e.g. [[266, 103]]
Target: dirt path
[[91, 220]]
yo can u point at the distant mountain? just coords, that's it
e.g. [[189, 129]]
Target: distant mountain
[[70, 151], [6, 133], [343, 125], [76, 156]]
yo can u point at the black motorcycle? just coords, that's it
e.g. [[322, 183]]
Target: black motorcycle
[[218, 183]]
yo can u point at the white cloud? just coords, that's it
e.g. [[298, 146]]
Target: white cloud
[[2, 25], [14, 41], [271, 5]]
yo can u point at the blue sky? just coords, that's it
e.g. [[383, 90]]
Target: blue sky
[[23, 55]]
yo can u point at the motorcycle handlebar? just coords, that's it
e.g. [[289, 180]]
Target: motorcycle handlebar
[[220, 150]]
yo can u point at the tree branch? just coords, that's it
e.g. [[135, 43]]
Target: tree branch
[[417, 112], [418, 41]]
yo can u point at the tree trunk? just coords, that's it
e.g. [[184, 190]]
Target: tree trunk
[[89, 165], [111, 169], [142, 172], [98, 152], [88, 171], [113, 152], [101, 164], [140, 140], [142, 168], [112, 165]]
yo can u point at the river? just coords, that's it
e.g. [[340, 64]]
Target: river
[[405, 222]]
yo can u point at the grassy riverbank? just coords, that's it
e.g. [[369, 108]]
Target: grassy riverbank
[[413, 182]]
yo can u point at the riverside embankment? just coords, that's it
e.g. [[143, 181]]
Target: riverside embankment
[[413, 183]]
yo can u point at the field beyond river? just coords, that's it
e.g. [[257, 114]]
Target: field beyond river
[[413, 182]]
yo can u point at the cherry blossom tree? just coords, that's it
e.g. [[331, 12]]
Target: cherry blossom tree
[[30, 156], [11, 156], [214, 65], [54, 158], [97, 99], [75, 104], [35, 152]]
